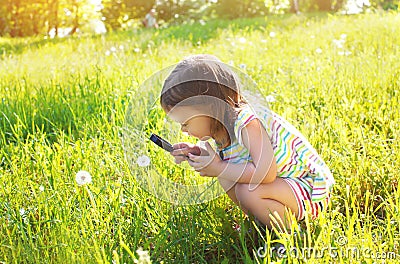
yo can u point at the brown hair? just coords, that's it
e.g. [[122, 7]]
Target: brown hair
[[205, 80]]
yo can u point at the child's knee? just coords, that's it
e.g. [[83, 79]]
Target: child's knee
[[242, 193]]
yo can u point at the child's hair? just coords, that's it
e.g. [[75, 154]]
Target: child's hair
[[205, 80]]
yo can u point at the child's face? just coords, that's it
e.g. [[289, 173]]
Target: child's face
[[193, 121]]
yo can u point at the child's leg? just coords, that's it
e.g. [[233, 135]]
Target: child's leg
[[266, 199], [229, 187]]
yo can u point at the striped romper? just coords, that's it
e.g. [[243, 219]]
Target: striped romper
[[297, 161]]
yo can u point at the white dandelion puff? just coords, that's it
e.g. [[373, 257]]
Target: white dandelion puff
[[348, 190], [339, 43], [344, 53], [143, 161], [242, 40], [23, 215], [137, 50], [343, 36], [22, 211], [113, 49], [318, 50], [108, 53], [270, 98], [144, 256], [67, 12], [83, 177], [41, 188], [272, 34]]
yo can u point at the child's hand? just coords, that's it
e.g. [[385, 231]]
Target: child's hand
[[182, 150], [209, 165]]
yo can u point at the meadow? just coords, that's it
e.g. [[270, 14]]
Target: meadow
[[64, 104]]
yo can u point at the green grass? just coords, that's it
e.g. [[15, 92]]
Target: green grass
[[63, 104]]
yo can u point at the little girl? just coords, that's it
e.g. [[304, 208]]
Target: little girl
[[264, 164]]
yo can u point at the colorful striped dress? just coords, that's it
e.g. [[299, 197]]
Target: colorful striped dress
[[297, 161]]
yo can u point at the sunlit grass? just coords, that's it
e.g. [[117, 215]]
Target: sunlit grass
[[63, 104]]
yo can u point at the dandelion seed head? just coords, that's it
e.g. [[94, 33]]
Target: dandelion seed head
[[143, 161], [41, 188], [270, 98], [242, 40], [22, 211], [344, 53], [142, 252], [144, 256], [339, 43], [272, 34], [108, 53], [318, 50], [67, 12], [83, 177]]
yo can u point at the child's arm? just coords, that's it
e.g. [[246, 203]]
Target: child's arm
[[261, 170]]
